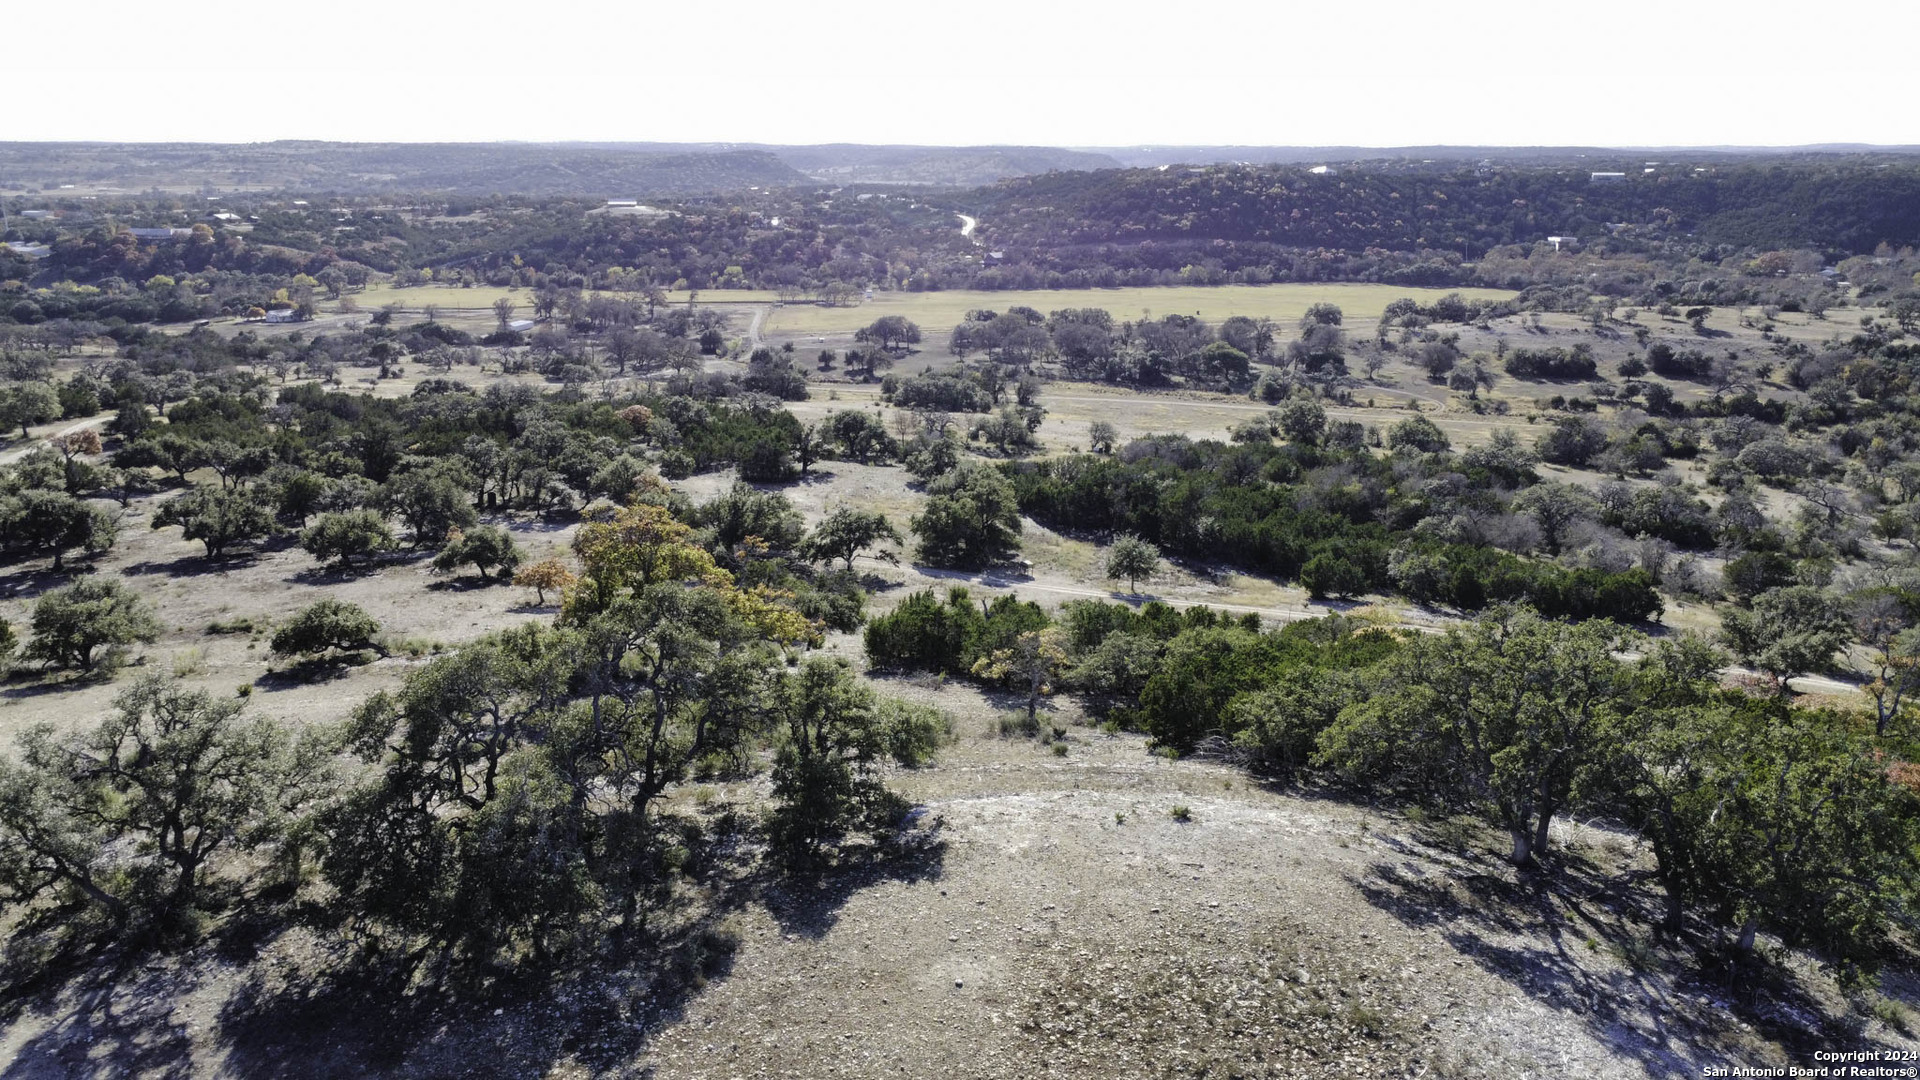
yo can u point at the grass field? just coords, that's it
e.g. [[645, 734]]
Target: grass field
[[1282, 303], [941, 310], [481, 297]]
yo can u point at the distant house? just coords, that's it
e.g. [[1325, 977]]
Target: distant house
[[1324, 170], [283, 315], [31, 251], [1557, 241], [1607, 178], [615, 203], [224, 216], [161, 234], [36, 215], [520, 326]]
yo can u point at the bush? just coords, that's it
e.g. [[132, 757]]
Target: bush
[[72, 625], [924, 633], [217, 517], [325, 627], [485, 547], [942, 393], [1553, 363], [971, 519], [543, 575], [768, 461], [1665, 360], [1573, 441], [1328, 574], [348, 535], [1419, 433]]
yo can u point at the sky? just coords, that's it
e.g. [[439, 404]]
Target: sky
[[1038, 72]]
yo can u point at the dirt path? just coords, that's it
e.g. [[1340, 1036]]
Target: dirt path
[[27, 446]]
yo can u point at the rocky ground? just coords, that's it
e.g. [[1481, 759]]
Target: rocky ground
[[1098, 912]]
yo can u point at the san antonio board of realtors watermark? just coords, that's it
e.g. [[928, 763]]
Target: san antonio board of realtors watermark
[[1838, 1064]]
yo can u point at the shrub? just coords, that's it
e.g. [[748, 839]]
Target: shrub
[[924, 633], [347, 536], [325, 627], [1552, 363], [543, 575], [1419, 433], [1328, 574], [971, 519], [72, 625], [485, 547]]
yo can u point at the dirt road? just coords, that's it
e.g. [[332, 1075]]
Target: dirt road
[[13, 454]]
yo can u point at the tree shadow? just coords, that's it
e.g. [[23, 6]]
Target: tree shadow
[[1575, 940], [1335, 604], [308, 672], [371, 1013], [465, 583], [28, 584], [808, 903], [108, 1019], [189, 566], [999, 576], [336, 574], [543, 524], [34, 681]]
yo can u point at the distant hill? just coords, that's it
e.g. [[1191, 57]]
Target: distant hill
[[957, 166], [1153, 156], [659, 170], [580, 169], [935, 166], [1840, 205], [455, 168]]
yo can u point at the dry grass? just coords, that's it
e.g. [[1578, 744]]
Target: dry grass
[[1282, 303]]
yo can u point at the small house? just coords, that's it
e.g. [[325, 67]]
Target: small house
[[1608, 178], [283, 315], [30, 251], [520, 326]]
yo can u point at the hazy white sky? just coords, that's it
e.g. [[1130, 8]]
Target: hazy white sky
[[1362, 72]]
